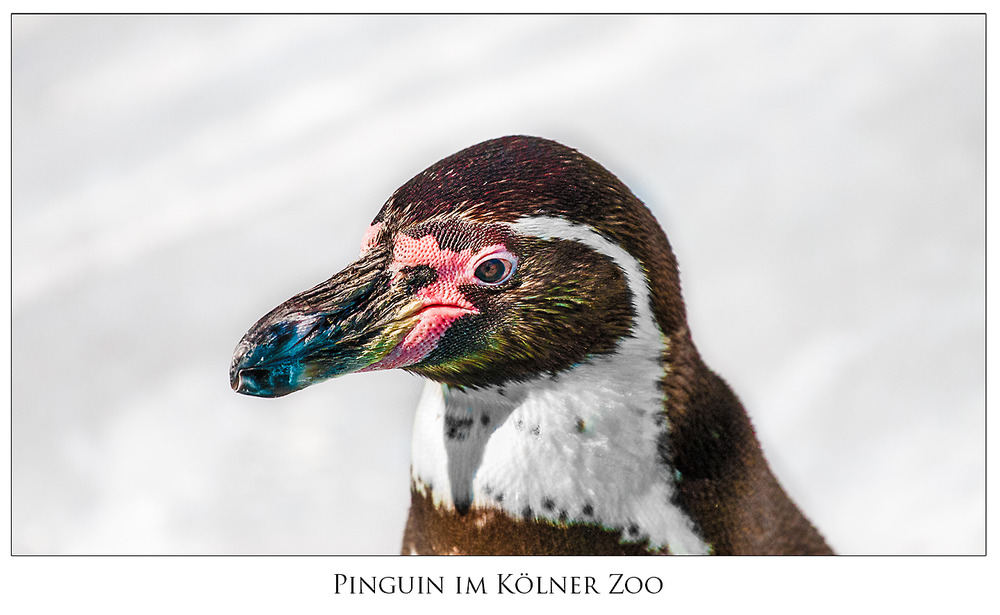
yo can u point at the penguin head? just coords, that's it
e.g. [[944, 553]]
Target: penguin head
[[510, 260]]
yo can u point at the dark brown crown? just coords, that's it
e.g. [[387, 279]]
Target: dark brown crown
[[507, 178]]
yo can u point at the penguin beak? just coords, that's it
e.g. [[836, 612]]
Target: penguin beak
[[343, 325]]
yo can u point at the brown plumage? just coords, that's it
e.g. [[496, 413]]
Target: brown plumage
[[726, 483]]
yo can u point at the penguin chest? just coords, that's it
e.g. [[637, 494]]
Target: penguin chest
[[564, 464]]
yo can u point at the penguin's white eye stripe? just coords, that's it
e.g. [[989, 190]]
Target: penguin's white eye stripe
[[552, 227]]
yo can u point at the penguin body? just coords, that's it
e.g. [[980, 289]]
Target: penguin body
[[567, 410]]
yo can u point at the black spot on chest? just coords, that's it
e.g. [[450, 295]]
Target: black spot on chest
[[457, 428]]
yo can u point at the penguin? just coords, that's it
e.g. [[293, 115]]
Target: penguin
[[566, 410]]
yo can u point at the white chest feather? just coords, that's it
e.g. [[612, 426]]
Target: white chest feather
[[582, 446]]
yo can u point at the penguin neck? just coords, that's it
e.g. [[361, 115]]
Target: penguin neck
[[582, 446]]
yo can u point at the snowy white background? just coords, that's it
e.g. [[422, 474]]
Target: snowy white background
[[821, 180]]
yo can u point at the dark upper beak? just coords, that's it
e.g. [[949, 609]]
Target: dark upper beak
[[338, 327]]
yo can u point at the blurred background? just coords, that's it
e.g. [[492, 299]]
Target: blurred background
[[821, 179]]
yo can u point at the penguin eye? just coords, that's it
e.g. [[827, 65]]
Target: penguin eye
[[494, 270]]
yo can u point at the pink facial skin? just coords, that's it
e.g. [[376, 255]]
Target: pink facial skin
[[442, 302], [370, 236]]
